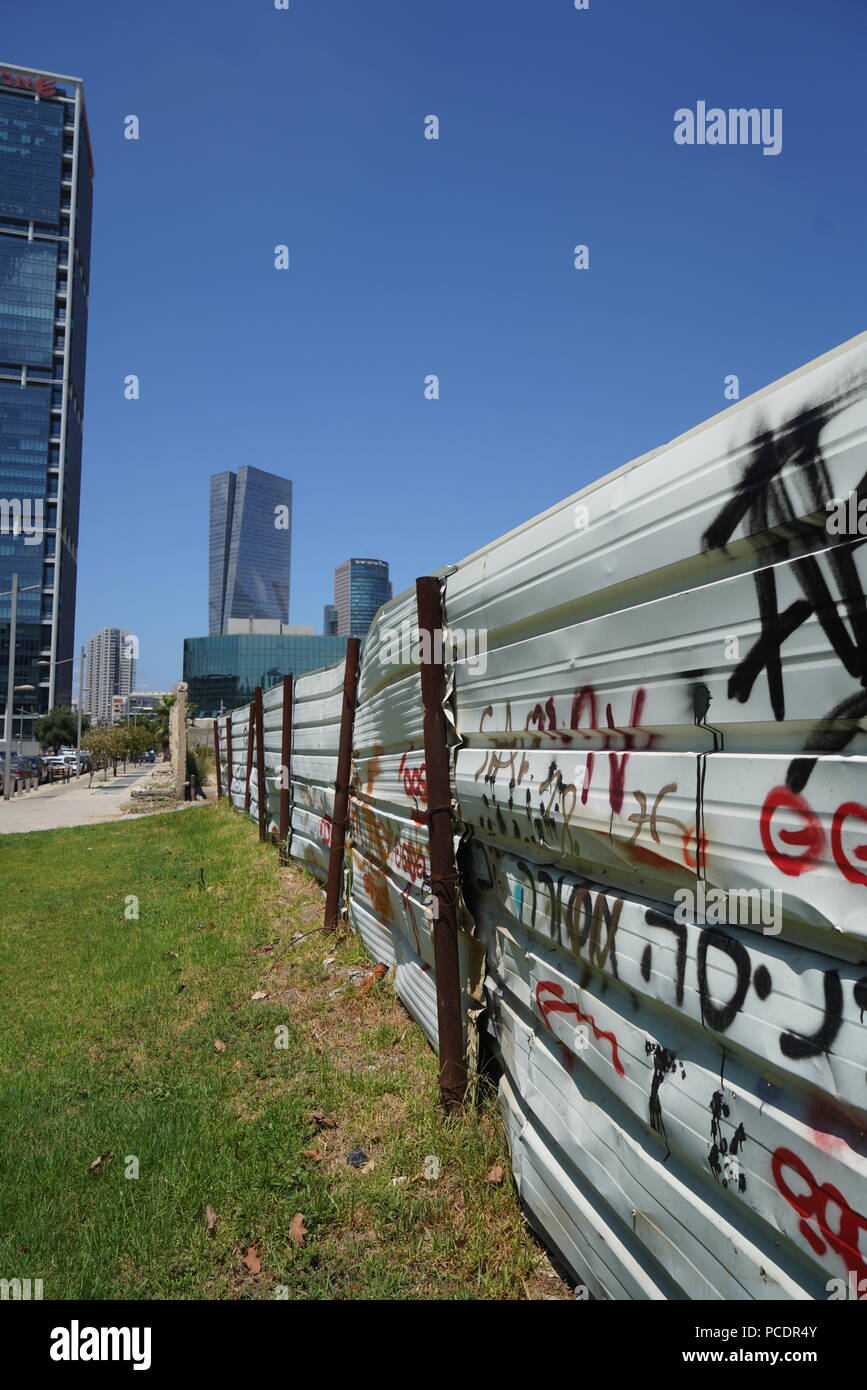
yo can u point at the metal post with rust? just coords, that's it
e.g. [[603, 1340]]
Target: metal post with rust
[[261, 789], [443, 872], [341, 783], [251, 716], [229, 768], [285, 769], [218, 768]]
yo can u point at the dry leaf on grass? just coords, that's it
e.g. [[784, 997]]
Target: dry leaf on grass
[[377, 974], [210, 1217], [251, 1260], [312, 1153], [99, 1163], [260, 994], [323, 1122], [219, 1045], [495, 1174], [297, 1229]]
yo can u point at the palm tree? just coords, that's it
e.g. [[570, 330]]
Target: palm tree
[[160, 721]]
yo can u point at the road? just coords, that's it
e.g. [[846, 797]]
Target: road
[[59, 804]]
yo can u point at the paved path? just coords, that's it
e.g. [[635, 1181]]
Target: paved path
[[68, 803]]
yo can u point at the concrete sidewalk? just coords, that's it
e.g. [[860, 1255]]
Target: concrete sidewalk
[[60, 804]]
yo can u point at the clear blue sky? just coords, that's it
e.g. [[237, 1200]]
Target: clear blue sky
[[411, 257]]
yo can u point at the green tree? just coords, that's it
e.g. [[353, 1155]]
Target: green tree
[[59, 728], [96, 742]]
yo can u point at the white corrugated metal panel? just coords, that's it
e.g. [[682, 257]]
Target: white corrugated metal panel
[[240, 729], [317, 701], [390, 894], [390, 903], [673, 700]]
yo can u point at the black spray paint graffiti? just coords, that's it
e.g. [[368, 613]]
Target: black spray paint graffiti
[[762, 503], [584, 921], [724, 1157], [664, 1062], [701, 702]]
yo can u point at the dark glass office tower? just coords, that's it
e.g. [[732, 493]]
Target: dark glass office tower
[[250, 547], [361, 587], [46, 177]]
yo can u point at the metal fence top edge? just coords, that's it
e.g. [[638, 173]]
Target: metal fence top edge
[[239, 709], [730, 413]]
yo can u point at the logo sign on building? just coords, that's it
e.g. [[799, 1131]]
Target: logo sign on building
[[42, 86]]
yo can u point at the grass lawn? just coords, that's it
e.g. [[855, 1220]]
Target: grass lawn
[[107, 1047]]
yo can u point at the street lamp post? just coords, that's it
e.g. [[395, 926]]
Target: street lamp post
[[19, 690], [80, 694], [81, 688], [10, 684], [10, 693]]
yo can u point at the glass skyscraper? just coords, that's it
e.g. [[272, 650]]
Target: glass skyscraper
[[250, 547], [361, 587], [46, 177], [223, 672]]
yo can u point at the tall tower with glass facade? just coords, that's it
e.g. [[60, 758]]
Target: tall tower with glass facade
[[46, 178], [360, 588], [250, 547]]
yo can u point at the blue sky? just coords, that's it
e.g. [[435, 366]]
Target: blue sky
[[410, 256]]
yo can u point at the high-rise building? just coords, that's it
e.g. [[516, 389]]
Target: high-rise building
[[250, 547], [46, 174], [361, 587], [111, 666], [330, 618]]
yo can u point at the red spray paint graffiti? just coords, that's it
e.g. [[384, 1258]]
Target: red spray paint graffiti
[[808, 839], [559, 1005], [814, 1205]]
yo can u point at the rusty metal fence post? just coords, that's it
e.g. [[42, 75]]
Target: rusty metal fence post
[[249, 772], [218, 768], [443, 872], [341, 783], [261, 791], [229, 768], [285, 770]]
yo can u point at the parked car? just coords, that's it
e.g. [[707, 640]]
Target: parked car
[[20, 770], [37, 766], [56, 767]]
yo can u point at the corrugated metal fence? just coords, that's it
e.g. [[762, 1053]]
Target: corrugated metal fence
[[657, 692]]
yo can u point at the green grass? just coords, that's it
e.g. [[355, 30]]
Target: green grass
[[108, 1046]]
